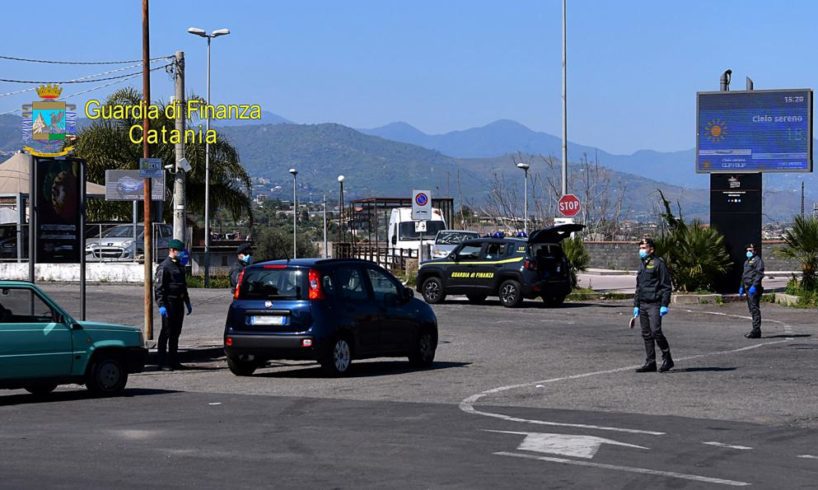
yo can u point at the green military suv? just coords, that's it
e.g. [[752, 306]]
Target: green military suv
[[41, 346]]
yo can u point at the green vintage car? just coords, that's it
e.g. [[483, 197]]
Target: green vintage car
[[41, 346]]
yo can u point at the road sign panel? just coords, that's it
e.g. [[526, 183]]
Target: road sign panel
[[421, 205], [150, 168]]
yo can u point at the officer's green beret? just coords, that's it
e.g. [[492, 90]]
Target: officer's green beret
[[177, 244]]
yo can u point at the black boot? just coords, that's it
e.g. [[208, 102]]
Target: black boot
[[649, 367], [667, 362], [753, 334]]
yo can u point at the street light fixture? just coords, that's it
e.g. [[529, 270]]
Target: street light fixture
[[294, 172], [525, 167], [341, 210], [202, 33]]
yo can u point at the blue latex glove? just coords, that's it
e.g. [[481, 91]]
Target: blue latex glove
[[741, 291], [752, 290], [163, 311], [189, 308], [663, 311], [635, 311]]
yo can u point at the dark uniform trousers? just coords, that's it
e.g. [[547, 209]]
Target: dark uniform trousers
[[170, 332], [651, 324], [753, 304]]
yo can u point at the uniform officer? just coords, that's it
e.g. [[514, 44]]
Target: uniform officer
[[751, 285], [171, 294], [650, 304], [244, 258]]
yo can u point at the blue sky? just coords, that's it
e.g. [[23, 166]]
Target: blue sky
[[633, 66]]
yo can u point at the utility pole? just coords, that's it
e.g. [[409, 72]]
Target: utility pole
[[146, 153], [564, 102], [802, 198], [179, 220], [325, 225]]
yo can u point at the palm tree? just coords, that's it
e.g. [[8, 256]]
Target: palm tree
[[106, 144], [801, 244], [696, 256]]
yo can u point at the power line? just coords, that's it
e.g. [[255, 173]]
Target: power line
[[81, 80], [55, 62], [86, 77]]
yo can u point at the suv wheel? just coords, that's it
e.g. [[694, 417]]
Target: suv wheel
[[510, 293], [241, 368], [106, 376], [339, 358], [41, 389], [423, 352], [476, 298], [553, 301], [433, 291]]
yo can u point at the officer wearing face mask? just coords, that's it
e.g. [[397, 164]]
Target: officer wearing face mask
[[170, 290], [650, 304], [245, 258], [751, 286]]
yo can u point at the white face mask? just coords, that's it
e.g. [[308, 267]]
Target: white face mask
[[643, 253]]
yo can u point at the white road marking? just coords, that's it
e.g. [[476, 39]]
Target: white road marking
[[807, 456], [728, 446], [213, 404], [629, 469], [787, 327], [578, 446], [467, 405]]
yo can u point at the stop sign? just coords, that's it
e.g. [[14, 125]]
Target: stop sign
[[568, 205]]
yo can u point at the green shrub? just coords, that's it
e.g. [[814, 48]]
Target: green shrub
[[216, 282], [577, 256]]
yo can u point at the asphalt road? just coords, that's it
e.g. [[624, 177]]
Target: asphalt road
[[532, 397]]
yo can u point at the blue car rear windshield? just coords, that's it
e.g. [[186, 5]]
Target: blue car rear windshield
[[274, 284]]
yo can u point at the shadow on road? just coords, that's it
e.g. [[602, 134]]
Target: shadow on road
[[358, 369], [74, 395], [530, 304], [703, 369], [785, 336]]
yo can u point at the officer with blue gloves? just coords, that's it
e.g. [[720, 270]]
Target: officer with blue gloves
[[751, 285], [170, 290], [650, 304]]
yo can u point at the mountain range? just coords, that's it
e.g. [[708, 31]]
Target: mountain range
[[393, 159]]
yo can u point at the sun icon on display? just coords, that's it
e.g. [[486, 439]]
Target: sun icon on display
[[716, 130]]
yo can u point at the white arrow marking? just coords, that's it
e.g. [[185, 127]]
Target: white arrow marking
[[629, 469], [564, 444], [728, 446]]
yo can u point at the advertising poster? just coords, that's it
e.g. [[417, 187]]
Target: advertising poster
[[58, 211]]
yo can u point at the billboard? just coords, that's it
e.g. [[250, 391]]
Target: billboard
[[59, 203], [127, 185], [754, 131]]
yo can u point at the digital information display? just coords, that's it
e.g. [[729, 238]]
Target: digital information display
[[754, 131]]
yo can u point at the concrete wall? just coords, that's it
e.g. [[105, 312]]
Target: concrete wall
[[118, 272], [624, 256]]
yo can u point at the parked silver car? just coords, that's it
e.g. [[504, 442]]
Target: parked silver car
[[118, 243], [447, 240]]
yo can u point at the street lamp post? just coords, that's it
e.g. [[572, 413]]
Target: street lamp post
[[294, 172], [341, 210], [202, 33], [524, 167]]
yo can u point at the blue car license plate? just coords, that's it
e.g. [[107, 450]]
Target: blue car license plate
[[268, 320]]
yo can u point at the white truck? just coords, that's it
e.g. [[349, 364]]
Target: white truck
[[408, 234]]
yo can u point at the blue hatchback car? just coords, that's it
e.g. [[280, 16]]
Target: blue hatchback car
[[328, 310]]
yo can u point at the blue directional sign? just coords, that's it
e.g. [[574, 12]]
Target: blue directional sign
[[754, 131]]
